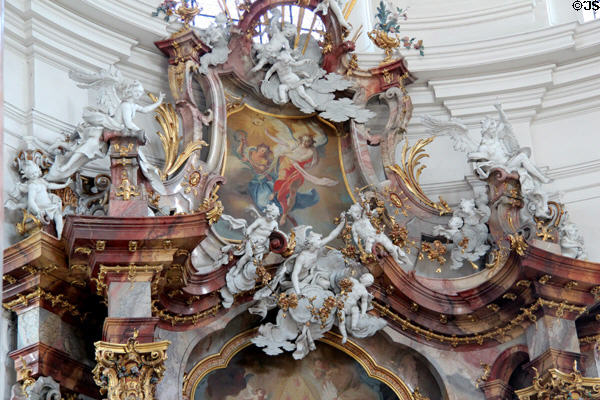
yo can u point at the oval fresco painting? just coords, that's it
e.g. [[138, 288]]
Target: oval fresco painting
[[292, 162], [324, 374]]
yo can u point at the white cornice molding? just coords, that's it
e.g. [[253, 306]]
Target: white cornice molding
[[482, 15]]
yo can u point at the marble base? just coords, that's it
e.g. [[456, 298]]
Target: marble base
[[44, 360], [118, 330]]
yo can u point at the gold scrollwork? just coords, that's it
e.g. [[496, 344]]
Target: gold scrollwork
[[55, 300], [410, 171], [130, 370], [167, 118], [558, 385], [388, 44], [518, 244]]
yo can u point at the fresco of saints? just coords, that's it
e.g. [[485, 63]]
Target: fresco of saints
[[278, 173]]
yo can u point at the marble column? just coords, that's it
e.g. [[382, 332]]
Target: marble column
[[129, 297], [553, 343]]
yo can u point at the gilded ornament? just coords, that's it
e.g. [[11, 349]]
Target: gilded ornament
[[133, 246], [410, 170], [557, 385], [510, 296], [487, 370], [167, 118], [571, 284], [384, 41], [126, 189], [435, 251], [83, 250], [518, 244], [418, 396], [29, 224], [25, 373], [9, 279], [123, 150], [131, 370], [100, 245], [494, 307], [544, 279], [595, 291]]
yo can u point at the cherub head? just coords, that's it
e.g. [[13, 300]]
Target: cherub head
[[284, 56], [455, 223], [221, 18], [488, 128], [355, 211], [367, 279], [467, 205], [314, 238], [31, 170], [571, 231], [271, 211], [133, 90], [307, 140]]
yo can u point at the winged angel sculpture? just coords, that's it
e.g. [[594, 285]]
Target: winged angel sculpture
[[296, 77], [497, 149], [115, 109], [314, 289]]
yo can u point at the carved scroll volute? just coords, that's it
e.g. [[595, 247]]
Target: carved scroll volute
[[506, 203]]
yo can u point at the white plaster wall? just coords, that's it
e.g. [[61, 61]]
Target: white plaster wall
[[533, 56]]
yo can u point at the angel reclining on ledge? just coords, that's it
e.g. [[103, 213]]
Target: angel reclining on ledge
[[498, 148]]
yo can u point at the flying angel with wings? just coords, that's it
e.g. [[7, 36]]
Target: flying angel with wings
[[498, 148], [296, 152], [116, 99]]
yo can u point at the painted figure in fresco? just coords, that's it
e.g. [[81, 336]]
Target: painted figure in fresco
[[261, 162], [295, 154]]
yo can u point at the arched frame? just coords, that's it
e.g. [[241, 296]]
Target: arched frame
[[241, 341]]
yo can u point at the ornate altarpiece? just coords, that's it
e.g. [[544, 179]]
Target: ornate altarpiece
[[145, 251]]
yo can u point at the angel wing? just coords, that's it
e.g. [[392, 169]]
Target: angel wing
[[106, 83], [458, 132], [505, 132], [283, 137]]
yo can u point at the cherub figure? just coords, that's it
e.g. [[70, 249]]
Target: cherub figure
[[256, 235], [356, 304], [38, 202], [571, 242], [307, 252], [364, 232], [278, 41], [336, 8], [468, 231], [498, 148], [217, 37], [117, 99], [290, 80]]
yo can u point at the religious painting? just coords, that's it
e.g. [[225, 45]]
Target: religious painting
[[292, 162], [324, 374]]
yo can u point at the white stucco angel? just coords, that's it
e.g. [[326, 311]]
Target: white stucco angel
[[365, 234], [571, 241], [279, 40], [308, 249], [217, 37], [498, 148], [335, 6], [33, 194], [117, 99], [353, 315], [468, 231], [251, 251]]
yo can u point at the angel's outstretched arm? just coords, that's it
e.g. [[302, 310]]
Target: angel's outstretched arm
[[503, 118], [153, 106], [334, 233], [53, 186]]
